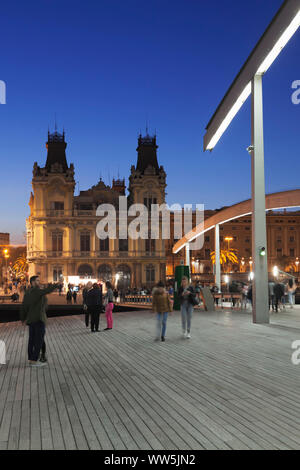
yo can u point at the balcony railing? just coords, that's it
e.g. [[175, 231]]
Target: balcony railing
[[93, 254]]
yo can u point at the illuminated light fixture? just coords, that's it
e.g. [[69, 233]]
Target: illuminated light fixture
[[275, 271], [262, 251], [283, 26], [251, 276], [230, 116], [226, 279], [281, 43]]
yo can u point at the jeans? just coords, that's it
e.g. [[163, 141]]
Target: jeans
[[36, 339], [291, 298], [161, 324], [186, 316]]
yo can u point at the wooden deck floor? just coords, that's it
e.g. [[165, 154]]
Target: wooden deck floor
[[232, 386]]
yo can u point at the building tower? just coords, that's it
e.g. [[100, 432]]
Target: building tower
[[147, 183], [48, 233]]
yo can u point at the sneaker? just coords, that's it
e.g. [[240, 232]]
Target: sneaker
[[163, 338], [43, 358], [188, 335], [107, 329], [183, 333], [38, 364]]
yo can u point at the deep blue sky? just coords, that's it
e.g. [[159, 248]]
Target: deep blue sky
[[107, 66]]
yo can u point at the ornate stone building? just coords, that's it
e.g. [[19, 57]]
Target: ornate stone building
[[61, 229]]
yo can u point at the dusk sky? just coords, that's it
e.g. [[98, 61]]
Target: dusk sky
[[106, 67]]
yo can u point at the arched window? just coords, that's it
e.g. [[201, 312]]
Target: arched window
[[85, 270], [104, 272], [123, 276]]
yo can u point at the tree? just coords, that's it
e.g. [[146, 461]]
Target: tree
[[20, 267], [226, 257]]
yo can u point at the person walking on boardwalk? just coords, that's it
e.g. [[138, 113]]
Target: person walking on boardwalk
[[186, 296], [161, 305], [109, 298], [93, 300], [33, 312]]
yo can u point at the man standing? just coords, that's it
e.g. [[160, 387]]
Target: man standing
[[33, 311]]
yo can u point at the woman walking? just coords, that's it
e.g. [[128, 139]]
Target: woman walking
[[161, 304], [109, 297], [186, 296]]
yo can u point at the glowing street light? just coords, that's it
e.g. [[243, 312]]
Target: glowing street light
[[275, 271], [228, 240], [249, 81]]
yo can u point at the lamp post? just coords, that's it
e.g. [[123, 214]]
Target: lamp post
[[249, 80]]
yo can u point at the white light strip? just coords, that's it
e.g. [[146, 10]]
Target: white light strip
[[281, 43], [231, 114]]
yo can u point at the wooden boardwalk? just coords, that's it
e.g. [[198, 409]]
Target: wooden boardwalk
[[232, 386]]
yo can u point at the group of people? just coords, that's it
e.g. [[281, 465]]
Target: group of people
[[94, 303], [162, 306], [34, 306], [33, 313], [279, 291]]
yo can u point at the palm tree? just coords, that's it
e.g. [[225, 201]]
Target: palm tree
[[20, 267], [226, 256]]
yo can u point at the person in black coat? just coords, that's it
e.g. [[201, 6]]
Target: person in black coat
[[279, 293], [93, 300]]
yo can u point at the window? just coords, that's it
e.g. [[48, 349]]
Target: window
[[56, 206], [234, 239], [247, 228], [292, 228], [207, 254], [247, 240], [292, 252], [278, 240], [207, 238], [148, 201], [292, 239], [279, 251], [123, 245], [221, 239], [104, 244], [233, 228], [57, 274], [149, 245], [150, 273], [57, 241], [85, 242]]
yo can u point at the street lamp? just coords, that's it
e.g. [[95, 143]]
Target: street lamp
[[228, 240], [249, 80]]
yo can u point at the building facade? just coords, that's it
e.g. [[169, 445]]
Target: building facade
[[62, 243]]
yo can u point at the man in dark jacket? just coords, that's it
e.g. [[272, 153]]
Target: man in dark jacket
[[33, 312], [93, 299]]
